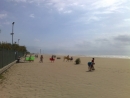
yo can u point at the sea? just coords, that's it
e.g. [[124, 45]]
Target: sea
[[107, 56]]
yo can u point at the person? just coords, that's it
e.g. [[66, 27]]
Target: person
[[18, 60], [91, 65], [52, 57], [41, 59], [30, 58], [71, 58], [68, 57]]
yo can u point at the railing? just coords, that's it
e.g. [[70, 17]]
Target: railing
[[8, 56]]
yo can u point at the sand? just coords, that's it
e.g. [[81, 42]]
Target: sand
[[61, 79]]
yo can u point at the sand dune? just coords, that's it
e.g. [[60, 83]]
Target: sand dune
[[61, 79]]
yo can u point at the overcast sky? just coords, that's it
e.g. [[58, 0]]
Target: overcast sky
[[83, 27]]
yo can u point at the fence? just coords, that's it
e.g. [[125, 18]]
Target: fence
[[8, 56]]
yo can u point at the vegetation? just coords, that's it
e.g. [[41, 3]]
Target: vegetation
[[78, 61], [15, 47]]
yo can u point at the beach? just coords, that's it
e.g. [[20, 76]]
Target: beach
[[61, 79]]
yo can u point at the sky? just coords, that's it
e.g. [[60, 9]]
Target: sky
[[75, 27]]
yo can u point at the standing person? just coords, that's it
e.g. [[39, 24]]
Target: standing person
[[92, 65], [30, 58], [52, 57], [71, 58], [41, 59]]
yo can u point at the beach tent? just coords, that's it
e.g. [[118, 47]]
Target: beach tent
[[32, 58]]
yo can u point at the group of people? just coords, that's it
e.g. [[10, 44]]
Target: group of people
[[36, 56], [71, 58], [90, 64], [52, 58], [41, 58]]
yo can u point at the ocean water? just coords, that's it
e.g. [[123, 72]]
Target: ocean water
[[108, 56], [102, 56]]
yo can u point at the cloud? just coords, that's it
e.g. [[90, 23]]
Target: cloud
[[7, 23], [109, 6], [20, 0], [94, 18], [32, 16], [118, 42], [60, 9], [96, 24], [88, 19], [123, 38], [103, 12], [127, 20], [107, 3], [114, 45], [3, 16], [37, 40], [67, 12]]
